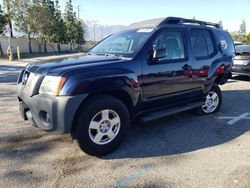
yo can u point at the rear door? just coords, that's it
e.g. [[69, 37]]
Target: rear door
[[204, 53]]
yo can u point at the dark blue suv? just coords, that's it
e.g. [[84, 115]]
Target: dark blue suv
[[153, 69]]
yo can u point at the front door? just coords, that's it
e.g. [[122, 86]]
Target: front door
[[167, 72]]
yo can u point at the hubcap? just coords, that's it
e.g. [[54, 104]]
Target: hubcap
[[104, 127], [211, 103]]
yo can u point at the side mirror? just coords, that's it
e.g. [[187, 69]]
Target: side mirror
[[159, 53]]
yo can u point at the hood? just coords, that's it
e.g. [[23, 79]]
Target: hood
[[57, 67]]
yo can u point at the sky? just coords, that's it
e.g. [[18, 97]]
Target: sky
[[125, 12]]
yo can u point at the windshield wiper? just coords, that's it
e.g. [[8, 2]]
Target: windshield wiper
[[109, 55], [101, 54]]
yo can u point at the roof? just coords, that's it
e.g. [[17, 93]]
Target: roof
[[154, 23]]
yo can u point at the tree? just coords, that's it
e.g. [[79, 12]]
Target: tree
[[8, 16], [235, 35], [43, 12], [242, 31], [71, 27], [57, 27], [79, 38], [3, 21], [248, 38], [22, 15]]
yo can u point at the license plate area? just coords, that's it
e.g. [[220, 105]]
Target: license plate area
[[241, 62]]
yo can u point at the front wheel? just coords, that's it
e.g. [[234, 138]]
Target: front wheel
[[212, 102], [101, 125]]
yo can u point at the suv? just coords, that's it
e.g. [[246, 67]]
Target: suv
[[153, 69]]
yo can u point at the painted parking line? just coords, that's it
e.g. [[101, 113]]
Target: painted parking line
[[125, 181], [234, 120]]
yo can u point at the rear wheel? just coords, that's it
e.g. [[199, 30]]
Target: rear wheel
[[101, 125], [212, 102]]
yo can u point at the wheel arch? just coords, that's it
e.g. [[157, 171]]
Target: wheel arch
[[122, 95]]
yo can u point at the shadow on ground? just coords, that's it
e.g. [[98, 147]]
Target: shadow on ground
[[185, 132], [241, 78], [9, 74], [172, 135], [11, 68], [176, 134]]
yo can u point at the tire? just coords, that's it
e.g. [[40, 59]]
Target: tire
[[101, 125], [212, 102]]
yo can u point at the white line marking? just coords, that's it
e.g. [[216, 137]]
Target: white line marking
[[236, 119], [233, 121], [232, 117], [132, 177]]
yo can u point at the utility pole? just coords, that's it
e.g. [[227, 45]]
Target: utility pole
[[94, 22]]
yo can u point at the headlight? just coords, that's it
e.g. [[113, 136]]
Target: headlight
[[52, 85]]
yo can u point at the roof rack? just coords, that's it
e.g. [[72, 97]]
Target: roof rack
[[176, 20], [154, 23]]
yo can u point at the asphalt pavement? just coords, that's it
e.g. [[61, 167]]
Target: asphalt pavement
[[182, 150]]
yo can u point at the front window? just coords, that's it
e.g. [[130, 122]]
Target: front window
[[124, 44], [170, 43]]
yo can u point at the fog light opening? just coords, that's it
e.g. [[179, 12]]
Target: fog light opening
[[44, 116]]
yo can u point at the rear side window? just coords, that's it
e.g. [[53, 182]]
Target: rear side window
[[198, 42], [210, 44], [202, 43], [226, 43]]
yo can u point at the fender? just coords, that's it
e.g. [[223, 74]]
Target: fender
[[101, 81], [212, 73]]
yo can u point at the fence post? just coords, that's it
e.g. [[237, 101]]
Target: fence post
[[9, 53], [18, 53]]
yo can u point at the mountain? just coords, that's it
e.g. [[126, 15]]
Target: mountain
[[101, 31]]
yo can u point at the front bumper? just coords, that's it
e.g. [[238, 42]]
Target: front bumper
[[49, 113]]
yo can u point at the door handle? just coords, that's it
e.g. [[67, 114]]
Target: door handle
[[188, 70]]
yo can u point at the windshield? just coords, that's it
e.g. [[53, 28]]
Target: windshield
[[123, 44]]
